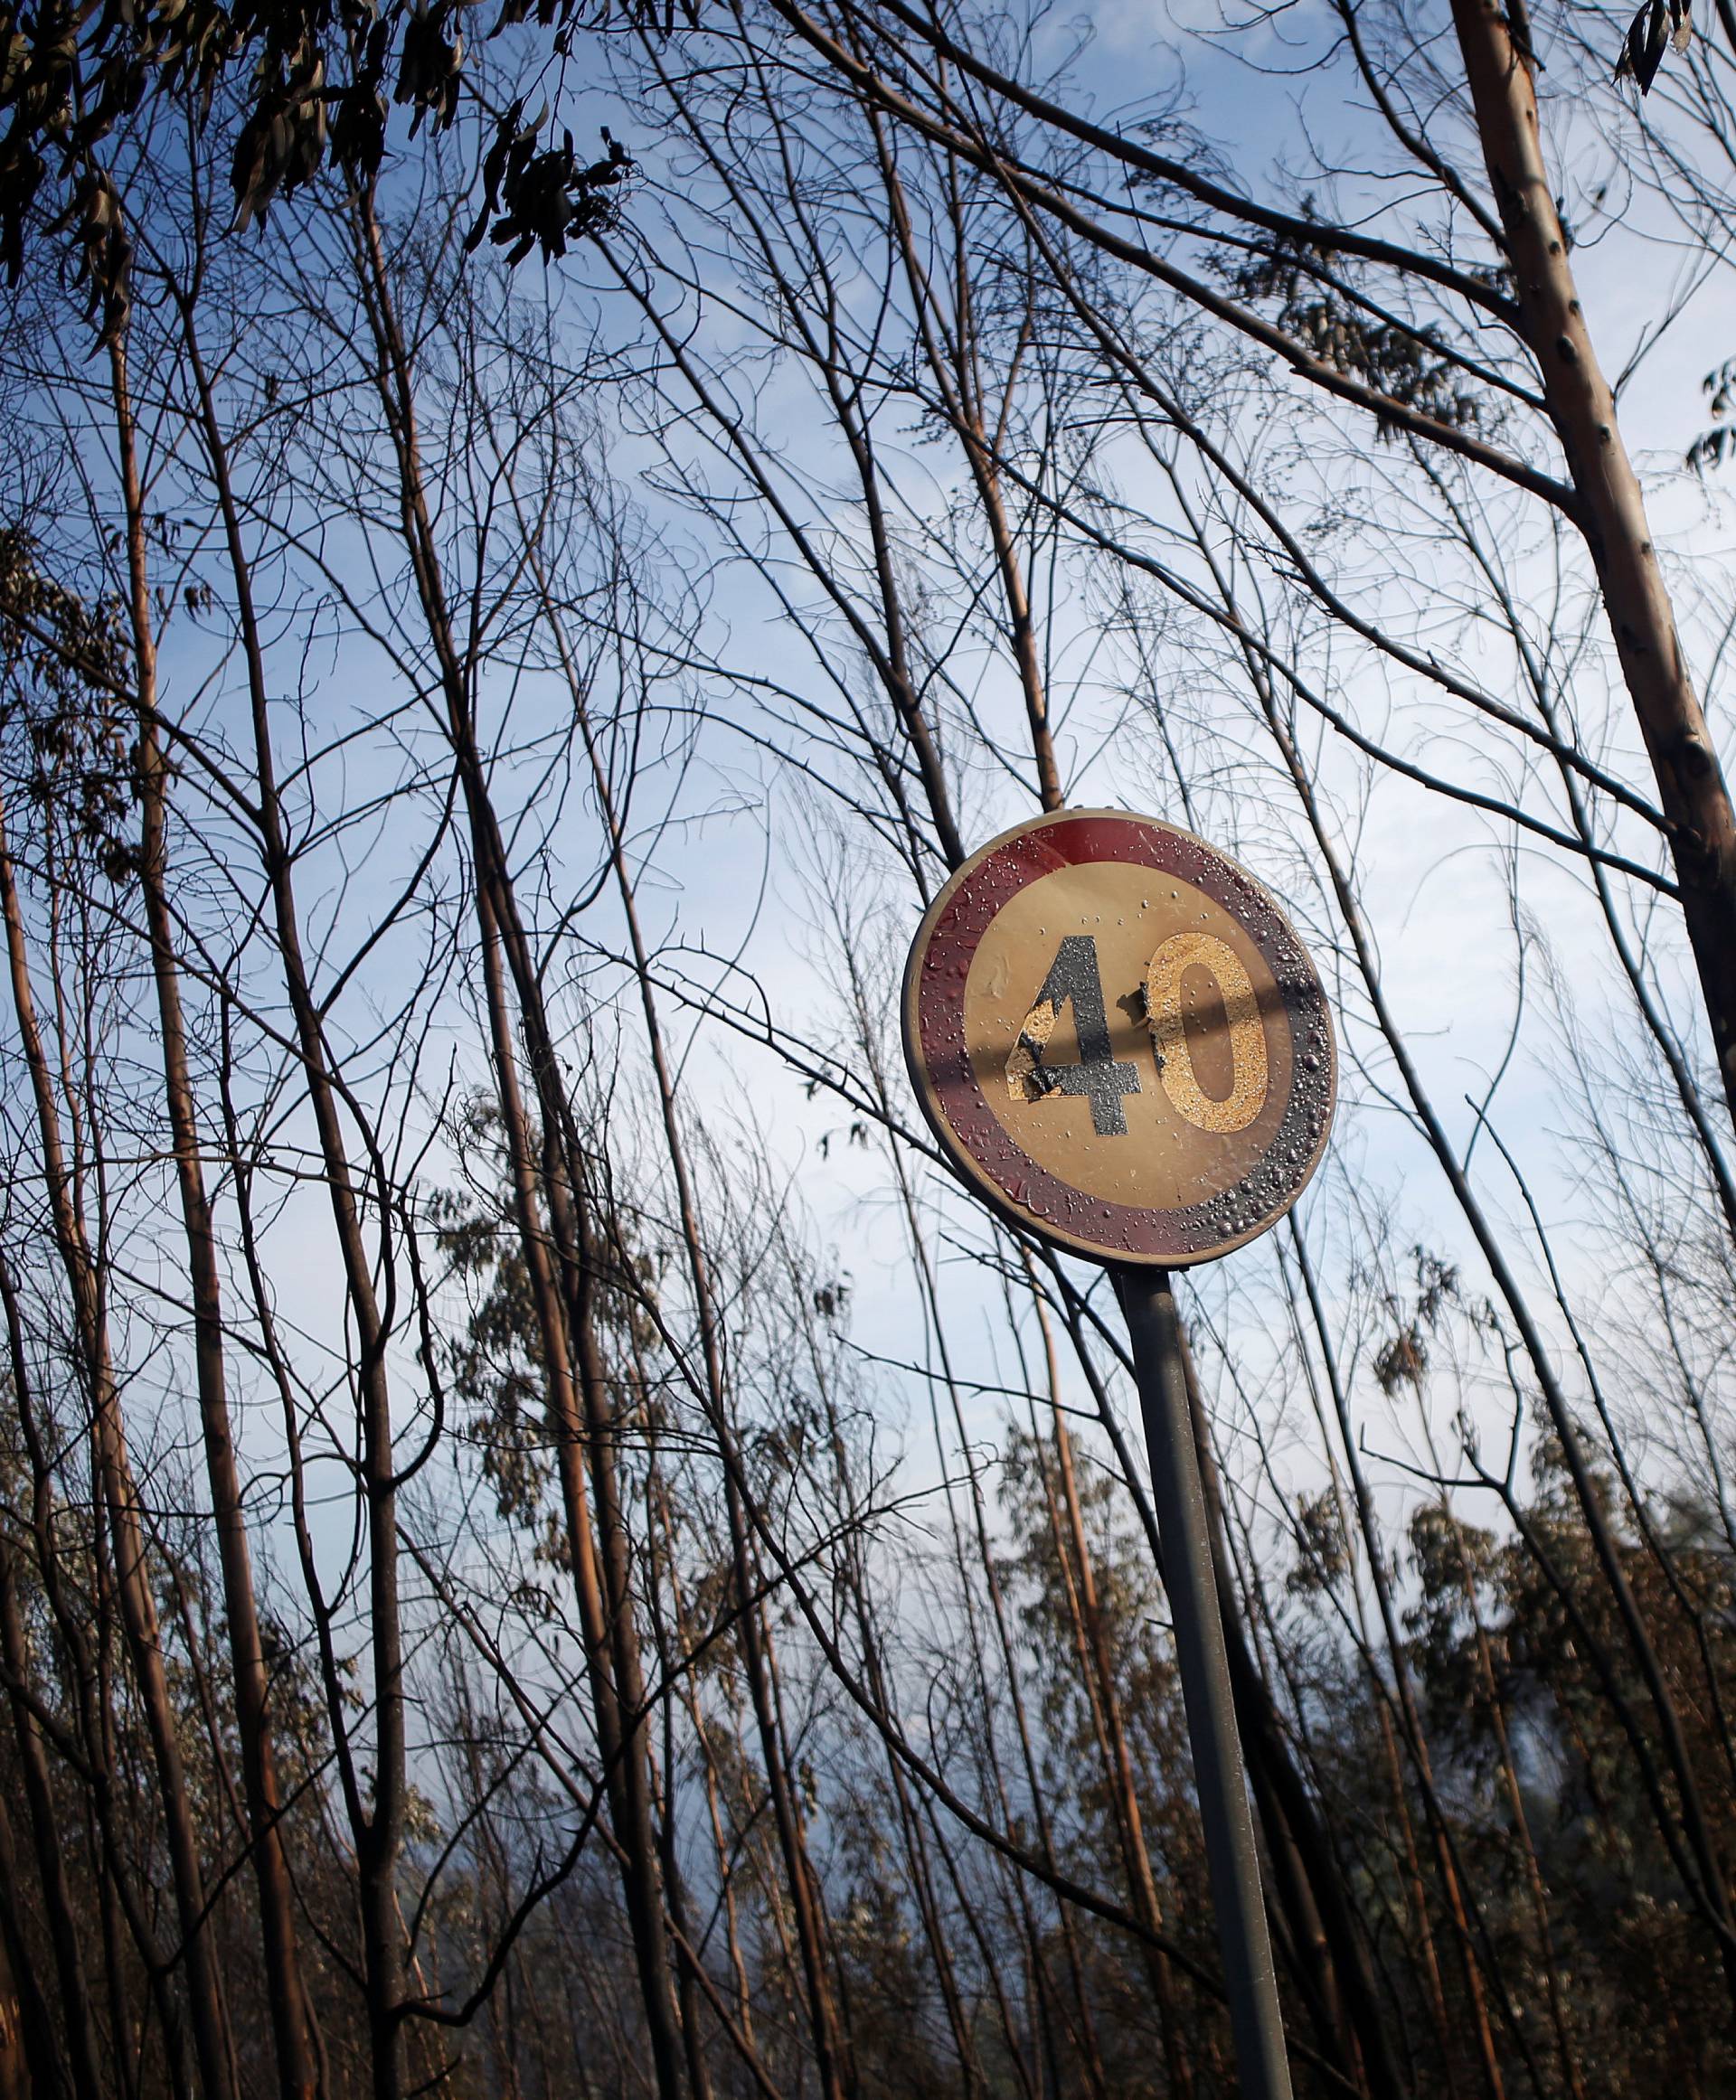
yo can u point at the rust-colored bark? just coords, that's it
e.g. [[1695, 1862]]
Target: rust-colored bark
[[552, 1197], [122, 1505], [294, 2057], [1611, 512]]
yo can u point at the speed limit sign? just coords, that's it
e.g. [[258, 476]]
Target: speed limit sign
[[1118, 1039]]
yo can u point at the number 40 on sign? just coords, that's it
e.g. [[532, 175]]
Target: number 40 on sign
[[1118, 1039]]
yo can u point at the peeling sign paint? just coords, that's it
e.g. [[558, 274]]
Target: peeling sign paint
[[1118, 1039]]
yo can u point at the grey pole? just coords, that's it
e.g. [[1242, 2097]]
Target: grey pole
[[1263, 2064]]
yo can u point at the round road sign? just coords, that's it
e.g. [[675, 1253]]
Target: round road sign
[[1118, 1039]]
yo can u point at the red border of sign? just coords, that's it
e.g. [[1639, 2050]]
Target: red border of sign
[[976, 1140]]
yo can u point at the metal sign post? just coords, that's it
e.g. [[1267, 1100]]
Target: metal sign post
[[1121, 1044], [1232, 1863]]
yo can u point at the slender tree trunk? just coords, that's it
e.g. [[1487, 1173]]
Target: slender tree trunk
[[922, 1886], [830, 2047], [952, 359], [1496, 1698], [918, 1864], [61, 1918], [31, 2065], [1446, 1864], [1684, 1824], [82, 1674], [674, 1658], [582, 1384], [125, 1513], [378, 1835], [57, 1900], [685, 1677], [1692, 790], [618, 1742], [1074, 1554], [285, 1990], [1083, 2021]]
